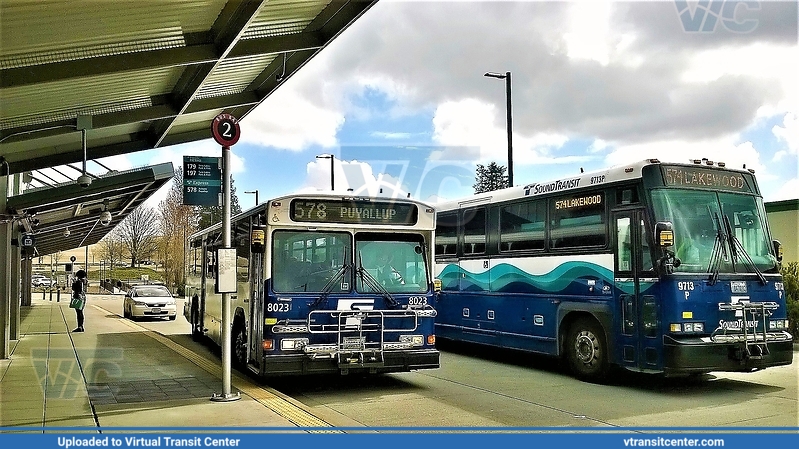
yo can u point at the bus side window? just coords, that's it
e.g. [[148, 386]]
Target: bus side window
[[578, 221], [474, 231], [623, 246], [521, 226], [446, 235]]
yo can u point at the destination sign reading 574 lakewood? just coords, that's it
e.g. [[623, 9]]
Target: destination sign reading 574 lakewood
[[706, 178], [353, 211]]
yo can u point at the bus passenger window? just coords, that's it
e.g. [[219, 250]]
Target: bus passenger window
[[521, 226], [474, 231], [578, 221], [446, 235]]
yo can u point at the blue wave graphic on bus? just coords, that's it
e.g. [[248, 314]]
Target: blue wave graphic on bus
[[509, 278]]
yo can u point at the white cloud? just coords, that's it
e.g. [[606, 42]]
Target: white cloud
[[293, 122], [589, 31], [356, 175], [787, 192], [788, 133], [391, 135]]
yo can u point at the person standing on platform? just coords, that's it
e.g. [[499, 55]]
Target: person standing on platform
[[79, 291]]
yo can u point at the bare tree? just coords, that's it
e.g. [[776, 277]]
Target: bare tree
[[177, 222], [111, 249], [138, 232]]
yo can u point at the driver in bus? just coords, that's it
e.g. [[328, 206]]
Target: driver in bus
[[387, 275]]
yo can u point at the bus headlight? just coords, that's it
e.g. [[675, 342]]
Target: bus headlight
[[415, 340], [778, 324], [687, 327], [293, 344]]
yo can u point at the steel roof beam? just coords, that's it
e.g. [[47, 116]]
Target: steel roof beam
[[228, 29], [202, 53]]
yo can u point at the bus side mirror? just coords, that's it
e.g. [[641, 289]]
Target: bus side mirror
[[257, 238], [664, 234], [777, 249], [664, 238]]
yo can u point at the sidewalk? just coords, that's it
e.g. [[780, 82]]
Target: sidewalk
[[119, 374]]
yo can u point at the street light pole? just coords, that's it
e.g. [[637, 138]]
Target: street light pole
[[256, 195], [509, 119], [332, 166]]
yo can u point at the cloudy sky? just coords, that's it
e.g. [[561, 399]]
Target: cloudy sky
[[401, 101]]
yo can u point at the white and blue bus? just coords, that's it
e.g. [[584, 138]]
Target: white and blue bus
[[654, 267], [326, 284]]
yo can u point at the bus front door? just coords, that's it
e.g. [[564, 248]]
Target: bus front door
[[636, 322]]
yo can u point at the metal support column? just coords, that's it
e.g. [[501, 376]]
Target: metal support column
[[5, 272], [13, 309], [226, 395], [27, 291]]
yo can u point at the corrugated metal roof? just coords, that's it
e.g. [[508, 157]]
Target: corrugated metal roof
[[149, 73], [52, 210]]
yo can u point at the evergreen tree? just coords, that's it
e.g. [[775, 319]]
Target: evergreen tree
[[491, 177], [210, 215]]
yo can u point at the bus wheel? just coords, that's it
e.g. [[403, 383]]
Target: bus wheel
[[239, 343], [196, 327], [586, 350]]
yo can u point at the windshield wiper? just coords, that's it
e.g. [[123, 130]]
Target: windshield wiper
[[328, 287], [373, 284], [737, 247], [719, 251]]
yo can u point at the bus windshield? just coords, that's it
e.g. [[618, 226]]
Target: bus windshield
[[395, 261], [716, 231]]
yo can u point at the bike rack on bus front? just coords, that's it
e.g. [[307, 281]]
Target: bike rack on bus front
[[751, 341]]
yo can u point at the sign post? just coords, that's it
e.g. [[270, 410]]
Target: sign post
[[225, 129]]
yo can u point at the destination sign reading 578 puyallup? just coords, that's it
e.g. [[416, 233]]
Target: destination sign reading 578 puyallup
[[349, 211]]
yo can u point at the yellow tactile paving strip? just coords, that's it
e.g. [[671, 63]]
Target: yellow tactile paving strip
[[269, 398]]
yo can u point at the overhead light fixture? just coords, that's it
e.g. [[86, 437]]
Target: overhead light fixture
[[105, 218], [84, 123]]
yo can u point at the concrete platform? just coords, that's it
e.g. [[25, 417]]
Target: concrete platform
[[117, 374]]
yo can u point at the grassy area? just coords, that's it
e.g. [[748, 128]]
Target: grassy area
[[126, 273]]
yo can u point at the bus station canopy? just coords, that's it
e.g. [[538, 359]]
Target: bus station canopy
[[148, 74], [52, 211]]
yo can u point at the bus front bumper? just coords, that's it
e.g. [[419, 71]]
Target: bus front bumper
[[700, 356], [393, 361]]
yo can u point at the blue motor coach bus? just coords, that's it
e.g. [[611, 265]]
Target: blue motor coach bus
[[326, 284], [654, 267]]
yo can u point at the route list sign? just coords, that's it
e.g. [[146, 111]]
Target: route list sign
[[202, 181]]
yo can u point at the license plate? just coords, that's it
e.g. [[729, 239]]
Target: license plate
[[155, 310]]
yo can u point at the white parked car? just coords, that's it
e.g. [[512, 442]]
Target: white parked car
[[40, 280], [149, 301]]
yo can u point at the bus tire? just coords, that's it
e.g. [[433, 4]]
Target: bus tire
[[239, 346], [194, 315], [587, 350]]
